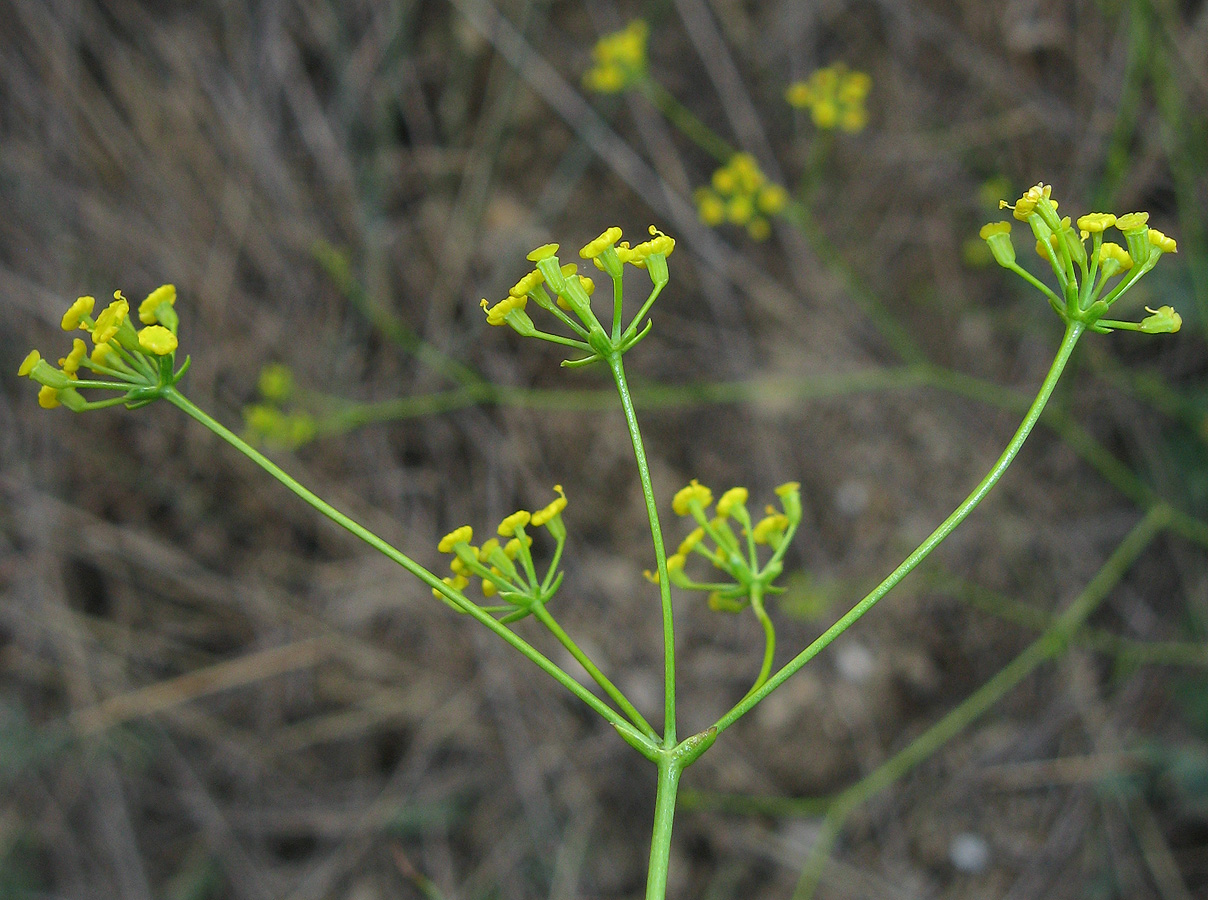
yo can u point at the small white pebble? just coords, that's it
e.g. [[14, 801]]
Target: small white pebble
[[855, 662], [851, 498], [969, 852]]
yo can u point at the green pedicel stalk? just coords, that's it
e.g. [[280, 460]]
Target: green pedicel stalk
[[1073, 331], [628, 731]]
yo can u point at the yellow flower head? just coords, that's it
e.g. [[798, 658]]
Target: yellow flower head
[[462, 535], [543, 515], [518, 519], [71, 362], [1095, 223], [736, 496], [512, 547], [165, 293], [992, 228], [157, 339], [606, 239], [770, 528], [772, 199], [77, 312], [489, 546], [528, 283], [688, 544], [1132, 221], [101, 355], [1026, 205], [48, 397], [694, 491], [497, 314], [27, 365], [834, 96], [619, 59], [1162, 242], [545, 251], [1117, 254], [110, 319]]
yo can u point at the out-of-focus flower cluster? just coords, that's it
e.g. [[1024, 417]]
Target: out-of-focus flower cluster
[[740, 194], [834, 96], [618, 59]]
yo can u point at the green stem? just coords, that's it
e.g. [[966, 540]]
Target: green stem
[[1072, 333], [610, 715], [546, 618], [670, 769], [683, 119], [1050, 644], [769, 636], [660, 553]]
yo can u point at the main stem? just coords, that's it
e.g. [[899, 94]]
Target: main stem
[[670, 769], [535, 656], [1072, 333], [660, 557]]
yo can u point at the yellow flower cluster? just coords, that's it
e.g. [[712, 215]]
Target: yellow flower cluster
[[506, 569], [1084, 274], [618, 59], [834, 96], [137, 358], [740, 194], [717, 540]]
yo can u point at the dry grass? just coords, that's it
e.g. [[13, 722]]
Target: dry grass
[[209, 693]]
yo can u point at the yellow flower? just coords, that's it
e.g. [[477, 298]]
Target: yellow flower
[[1026, 204], [27, 365], [1095, 222], [545, 251], [157, 339], [710, 207], [489, 546], [48, 397], [834, 96], [606, 239], [457, 582], [110, 320], [101, 353], [71, 362], [620, 59], [992, 228], [1132, 221], [736, 496], [1162, 242], [1117, 254], [543, 515], [512, 547], [694, 491], [518, 519], [769, 528], [77, 312], [497, 314], [462, 535], [165, 293], [772, 199], [528, 283], [688, 544]]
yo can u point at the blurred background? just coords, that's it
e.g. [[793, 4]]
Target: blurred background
[[208, 692]]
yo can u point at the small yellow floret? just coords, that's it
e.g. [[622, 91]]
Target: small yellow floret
[[992, 228], [518, 519], [71, 362], [676, 562], [528, 283], [545, 251], [110, 320], [457, 583], [1112, 251], [736, 496], [541, 516], [1162, 242], [101, 353], [1096, 222], [789, 487], [48, 397], [165, 293], [157, 339], [27, 365], [606, 239], [770, 527], [1132, 221], [76, 313], [688, 544], [512, 547], [694, 491], [462, 535], [488, 547]]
